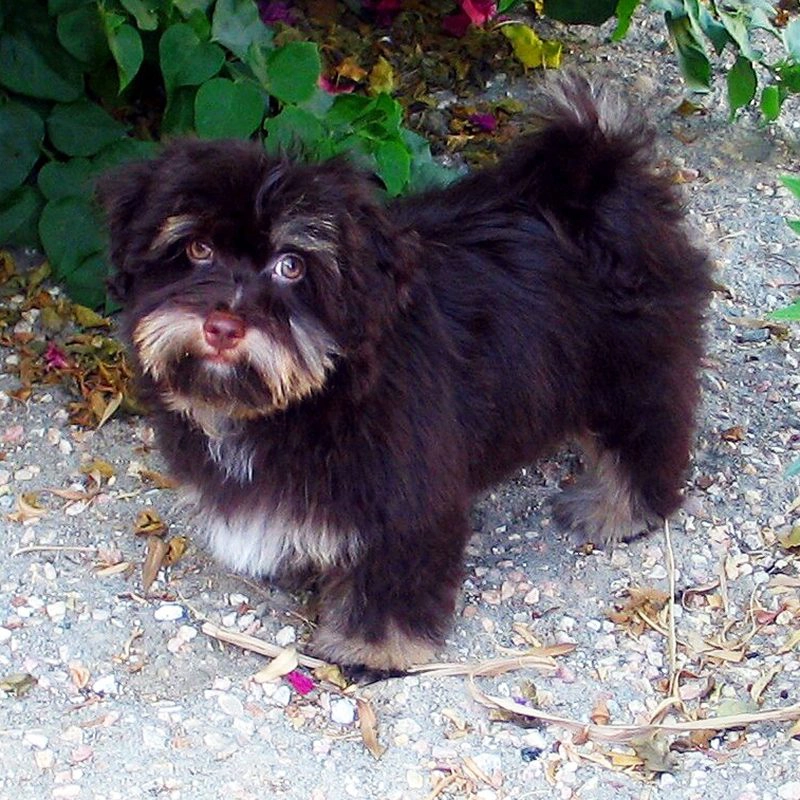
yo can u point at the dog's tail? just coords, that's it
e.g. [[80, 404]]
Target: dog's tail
[[588, 145]]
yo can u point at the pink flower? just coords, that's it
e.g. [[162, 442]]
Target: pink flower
[[301, 683], [484, 122], [479, 11], [331, 87], [54, 357], [276, 12]]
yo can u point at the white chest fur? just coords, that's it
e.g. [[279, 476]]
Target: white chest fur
[[266, 543]]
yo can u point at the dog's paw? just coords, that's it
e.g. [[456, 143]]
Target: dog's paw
[[393, 653], [589, 517]]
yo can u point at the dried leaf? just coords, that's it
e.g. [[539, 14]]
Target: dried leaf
[[381, 77], [654, 752], [97, 466], [176, 548], [87, 318], [157, 479], [790, 643], [112, 405], [149, 523], [758, 688], [734, 434], [600, 714], [625, 759], [791, 540], [153, 561], [113, 569], [17, 684], [281, 665], [368, 724], [28, 508], [331, 673], [79, 675]]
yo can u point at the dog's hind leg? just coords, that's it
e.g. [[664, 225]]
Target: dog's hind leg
[[636, 461]]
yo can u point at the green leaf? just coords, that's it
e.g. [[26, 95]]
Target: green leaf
[[185, 60], [794, 224], [425, 172], [82, 128], [742, 82], [21, 135], [179, 114], [736, 24], [32, 61], [86, 284], [692, 59], [70, 232], [82, 35], [771, 103], [71, 178], [529, 49], [624, 12], [237, 26], [294, 132], [394, 165], [793, 469], [223, 108], [125, 44], [189, 7], [292, 71], [145, 16], [580, 12], [792, 183], [19, 212], [713, 29], [791, 38], [790, 313]]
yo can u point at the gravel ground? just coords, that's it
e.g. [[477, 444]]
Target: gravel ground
[[132, 700]]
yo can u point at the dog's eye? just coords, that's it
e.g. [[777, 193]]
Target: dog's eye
[[288, 267], [199, 251]]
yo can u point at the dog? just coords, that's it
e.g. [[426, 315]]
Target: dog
[[335, 376]]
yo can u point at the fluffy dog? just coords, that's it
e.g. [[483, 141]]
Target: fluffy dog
[[334, 377]]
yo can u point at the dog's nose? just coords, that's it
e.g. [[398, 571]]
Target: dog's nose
[[222, 330]]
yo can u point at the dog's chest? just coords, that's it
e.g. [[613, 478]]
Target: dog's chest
[[258, 535]]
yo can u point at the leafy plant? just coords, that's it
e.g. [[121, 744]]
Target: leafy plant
[[697, 26], [88, 84], [791, 312]]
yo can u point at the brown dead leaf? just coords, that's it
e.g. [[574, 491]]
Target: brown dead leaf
[[794, 731], [790, 644], [654, 752], [381, 77], [791, 540], [97, 466], [17, 684], [600, 714], [28, 508], [331, 673], [149, 523], [368, 724], [733, 434], [176, 548], [79, 675], [625, 759], [87, 318], [157, 479], [646, 602], [281, 665], [153, 561], [759, 687], [350, 69]]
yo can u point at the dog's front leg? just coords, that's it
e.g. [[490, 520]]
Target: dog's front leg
[[394, 606]]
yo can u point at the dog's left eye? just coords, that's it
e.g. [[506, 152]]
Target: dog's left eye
[[288, 267], [199, 251]]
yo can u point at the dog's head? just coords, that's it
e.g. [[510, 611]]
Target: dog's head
[[248, 281]]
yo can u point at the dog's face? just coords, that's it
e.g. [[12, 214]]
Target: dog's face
[[248, 281]]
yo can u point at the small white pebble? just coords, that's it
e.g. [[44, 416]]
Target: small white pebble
[[107, 684], [343, 711], [282, 695], [285, 636], [35, 739], [5, 635], [790, 791], [169, 612], [66, 792], [231, 705], [57, 611], [236, 600], [414, 779]]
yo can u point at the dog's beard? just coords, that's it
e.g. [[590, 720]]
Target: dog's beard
[[262, 374]]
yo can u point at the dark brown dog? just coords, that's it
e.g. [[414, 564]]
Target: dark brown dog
[[335, 377]]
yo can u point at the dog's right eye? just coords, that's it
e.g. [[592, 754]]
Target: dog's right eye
[[199, 252]]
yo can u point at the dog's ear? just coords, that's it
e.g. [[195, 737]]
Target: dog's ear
[[120, 194]]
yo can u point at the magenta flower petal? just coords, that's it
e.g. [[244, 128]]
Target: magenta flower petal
[[479, 11], [301, 683], [54, 357], [484, 122], [456, 24]]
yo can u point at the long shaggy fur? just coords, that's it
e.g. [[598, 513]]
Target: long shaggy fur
[[433, 346]]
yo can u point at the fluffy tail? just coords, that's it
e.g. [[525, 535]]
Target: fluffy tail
[[587, 143]]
